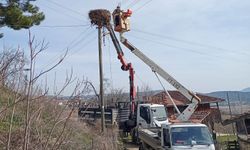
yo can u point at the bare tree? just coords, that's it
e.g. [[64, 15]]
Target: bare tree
[[34, 119], [11, 63], [35, 50], [145, 92]]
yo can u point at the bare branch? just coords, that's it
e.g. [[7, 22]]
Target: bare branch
[[93, 87], [54, 66]]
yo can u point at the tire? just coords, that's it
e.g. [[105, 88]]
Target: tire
[[141, 147], [134, 134]]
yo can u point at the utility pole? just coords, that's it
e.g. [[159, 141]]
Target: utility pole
[[101, 77], [241, 109], [230, 111]]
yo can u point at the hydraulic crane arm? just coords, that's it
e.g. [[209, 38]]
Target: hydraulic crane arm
[[121, 25], [125, 67], [192, 97]]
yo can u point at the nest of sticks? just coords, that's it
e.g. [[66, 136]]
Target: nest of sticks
[[100, 17]]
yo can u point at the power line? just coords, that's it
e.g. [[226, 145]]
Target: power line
[[188, 42], [123, 2], [66, 8], [74, 42], [85, 44], [71, 45], [64, 26], [52, 26], [189, 50], [63, 13], [168, 45], [133, 3], [143, 5]]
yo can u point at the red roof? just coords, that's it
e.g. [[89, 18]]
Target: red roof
[[181, 100]]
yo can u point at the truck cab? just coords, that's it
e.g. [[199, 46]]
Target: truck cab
[[186, 136], [147, 116], [151, 115]]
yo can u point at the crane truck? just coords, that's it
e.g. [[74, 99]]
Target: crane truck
[[162, 135], [143, 115]]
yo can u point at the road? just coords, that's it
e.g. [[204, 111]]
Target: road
[[131, 146]]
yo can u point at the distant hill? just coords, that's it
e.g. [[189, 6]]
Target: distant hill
[[234, 96], [246, 90]]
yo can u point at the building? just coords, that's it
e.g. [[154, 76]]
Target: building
[[207, 111], [242, 122]]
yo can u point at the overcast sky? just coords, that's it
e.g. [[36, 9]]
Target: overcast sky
[[204, 44]]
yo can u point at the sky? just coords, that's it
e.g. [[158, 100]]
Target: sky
[[203, 44]]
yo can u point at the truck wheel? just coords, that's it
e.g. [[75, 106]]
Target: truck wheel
[[134, 135], [141, 147]]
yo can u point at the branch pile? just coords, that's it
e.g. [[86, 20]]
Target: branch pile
[[100, 17]]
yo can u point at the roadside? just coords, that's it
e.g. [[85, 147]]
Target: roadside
[[130, 146]]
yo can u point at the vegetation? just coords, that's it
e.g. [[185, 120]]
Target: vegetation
[[31, 119], [225, 138], [19, 14]]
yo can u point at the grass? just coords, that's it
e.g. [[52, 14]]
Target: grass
[[222, 141], [44, 114], [225, 138]]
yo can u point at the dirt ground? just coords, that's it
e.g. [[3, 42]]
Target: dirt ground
[[129, 146]]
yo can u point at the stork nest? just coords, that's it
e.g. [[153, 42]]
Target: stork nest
[[100, 17]]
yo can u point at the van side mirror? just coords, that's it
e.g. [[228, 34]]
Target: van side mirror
[[166, 137]]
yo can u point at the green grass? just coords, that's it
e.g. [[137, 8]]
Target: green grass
[[5, 123], [226, 138]]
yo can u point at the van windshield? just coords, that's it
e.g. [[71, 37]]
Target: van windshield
[[190, 136]]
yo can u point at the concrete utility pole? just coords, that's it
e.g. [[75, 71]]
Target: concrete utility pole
[[101, 78], [230, 111]]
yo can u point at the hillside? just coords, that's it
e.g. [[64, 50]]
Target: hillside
[[234, 96], [246, 90]]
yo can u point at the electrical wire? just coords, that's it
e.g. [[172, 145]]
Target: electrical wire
[[191, 50], [133, 3], [188, 42], [66, 8], [123, 2], [82, 39], [62, 13], [84, 44], [69, 46], [78, 50], [181, 40], [184, 41], [64, 26], [168, 45], [188, 49], [52, 26], [142, 5]]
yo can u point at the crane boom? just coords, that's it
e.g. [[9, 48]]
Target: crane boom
[[125, 67], [121, 25], [192, 97]]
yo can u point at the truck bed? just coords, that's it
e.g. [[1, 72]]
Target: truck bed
[[151, 137]]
